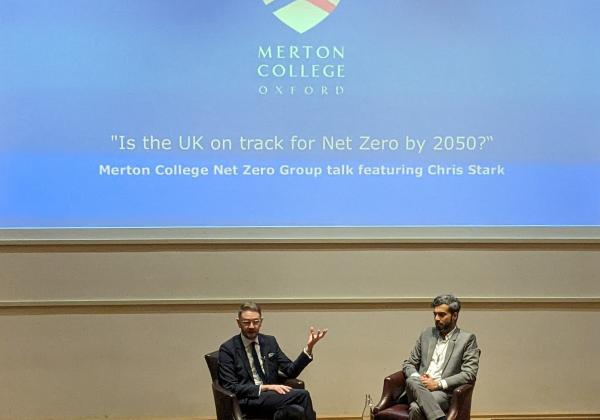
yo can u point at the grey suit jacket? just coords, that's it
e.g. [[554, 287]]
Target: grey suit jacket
[[460, 364]]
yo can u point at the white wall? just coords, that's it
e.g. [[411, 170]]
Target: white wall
[[535, 310]]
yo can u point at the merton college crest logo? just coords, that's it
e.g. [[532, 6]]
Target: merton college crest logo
[[302, 15]]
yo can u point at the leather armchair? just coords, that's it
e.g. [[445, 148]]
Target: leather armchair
[[389, 408], [226, 403]]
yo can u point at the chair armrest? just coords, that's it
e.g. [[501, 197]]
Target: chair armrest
[[393, 387], [226, 403], [460, 405], [293, 382]]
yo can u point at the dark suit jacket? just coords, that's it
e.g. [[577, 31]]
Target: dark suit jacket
[[460, 364], [234, 370]]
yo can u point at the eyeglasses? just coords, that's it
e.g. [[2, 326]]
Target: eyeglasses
[[248, 322]]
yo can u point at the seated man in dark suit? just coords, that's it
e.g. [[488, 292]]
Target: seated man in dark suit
[[444, 358], [249, 364]]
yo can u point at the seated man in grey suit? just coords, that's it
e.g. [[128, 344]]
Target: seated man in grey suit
[[444, 358], [249, 364]]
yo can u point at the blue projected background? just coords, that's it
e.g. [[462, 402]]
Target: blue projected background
[[186, 113]]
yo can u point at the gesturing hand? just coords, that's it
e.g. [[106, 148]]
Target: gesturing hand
[[314, 336]]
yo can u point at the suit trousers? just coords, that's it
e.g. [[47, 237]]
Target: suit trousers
[[269, 401], [425, 404]]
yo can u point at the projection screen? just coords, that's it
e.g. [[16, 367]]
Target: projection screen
[[385, 120]]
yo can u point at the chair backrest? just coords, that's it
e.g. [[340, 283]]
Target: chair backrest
[[226, 404], [212, 360]]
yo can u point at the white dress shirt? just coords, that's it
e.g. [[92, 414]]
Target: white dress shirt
[[248, 346], [436, 366]]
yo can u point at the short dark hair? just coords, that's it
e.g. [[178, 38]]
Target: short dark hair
[[249, 306], [452, 301]]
